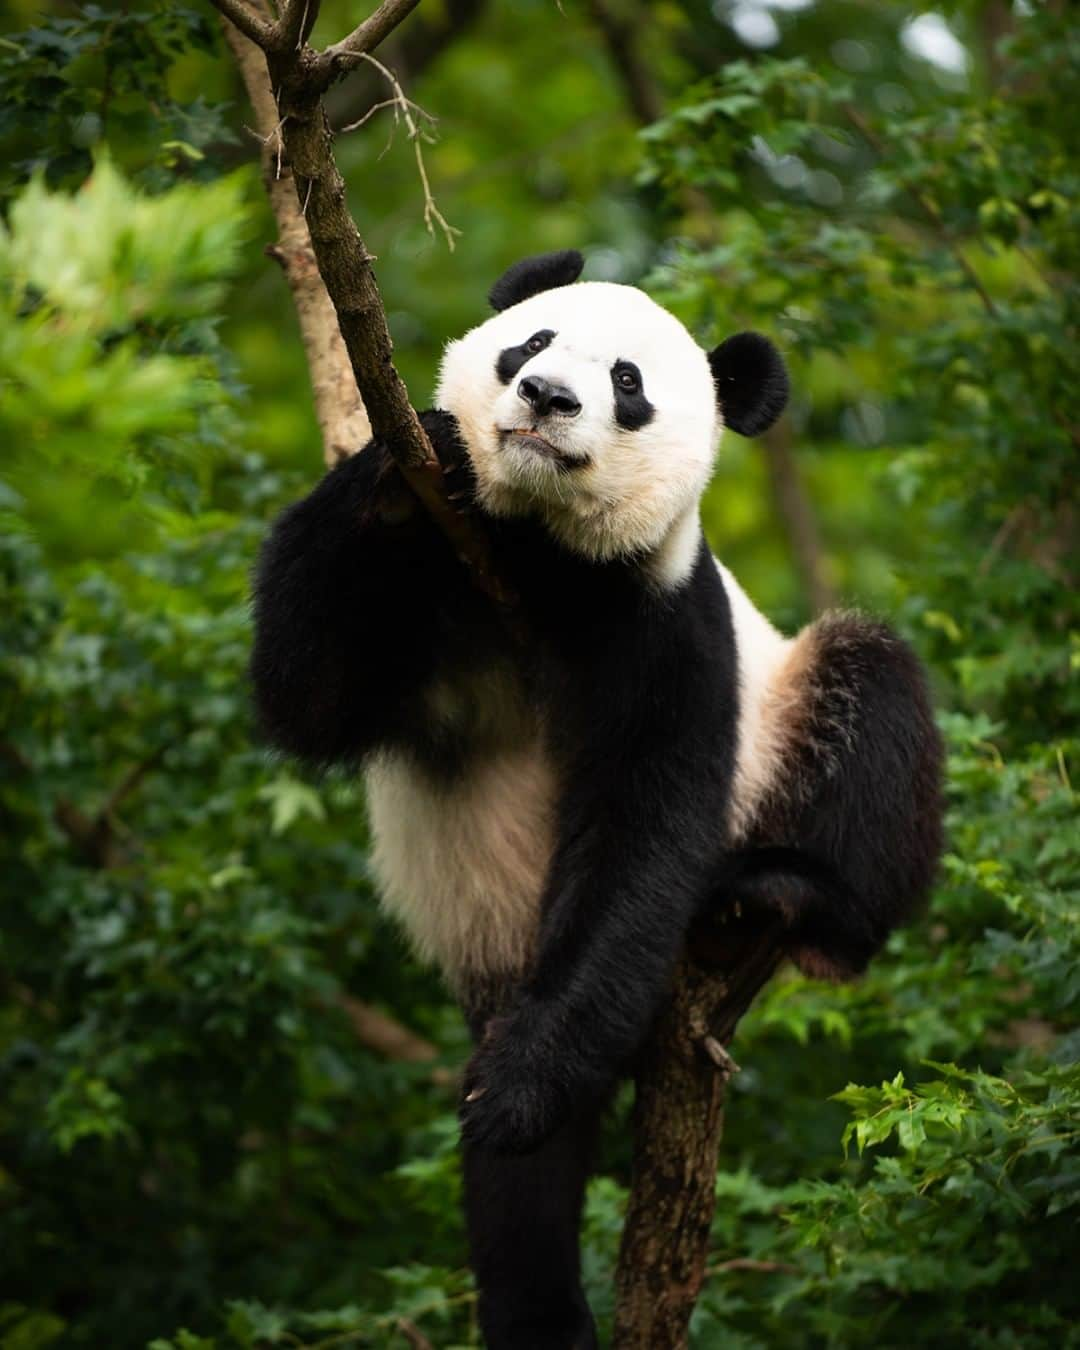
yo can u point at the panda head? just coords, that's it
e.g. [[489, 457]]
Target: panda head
[[592, 407]]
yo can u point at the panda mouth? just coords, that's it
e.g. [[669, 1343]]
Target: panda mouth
[[542, 447]]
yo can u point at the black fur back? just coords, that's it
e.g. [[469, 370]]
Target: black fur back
[[847, 842]]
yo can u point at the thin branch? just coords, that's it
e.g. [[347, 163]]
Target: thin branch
[[1008, 527], [347, 54], [131, 781], [259, 30], [344, 263], [403, 108], [96, 836], [384, 1035], [339, 409], [375, 108], [297, 20], [416, 46], [412, 1333]]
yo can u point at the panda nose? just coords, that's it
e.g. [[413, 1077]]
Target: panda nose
[[544, 397]]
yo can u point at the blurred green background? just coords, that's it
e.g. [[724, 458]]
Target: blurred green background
[[198, 1145]]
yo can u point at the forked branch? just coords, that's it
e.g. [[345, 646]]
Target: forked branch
[[338, 407]]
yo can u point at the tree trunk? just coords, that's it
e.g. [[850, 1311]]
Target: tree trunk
[[682, 1080]]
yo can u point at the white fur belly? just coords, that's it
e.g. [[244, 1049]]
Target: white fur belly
[[463, 866]]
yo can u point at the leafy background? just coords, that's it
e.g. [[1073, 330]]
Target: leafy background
[[195, 1149]]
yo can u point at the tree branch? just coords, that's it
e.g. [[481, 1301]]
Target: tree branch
[[414, 48], [403, 110], [392, 1039], [252, 25], [747, 1263], [339, 409], [298, 77], [297, 20], [621, 34], [345, 55]]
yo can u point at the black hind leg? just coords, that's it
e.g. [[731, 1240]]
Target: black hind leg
[[523, 1214], [846, 844]]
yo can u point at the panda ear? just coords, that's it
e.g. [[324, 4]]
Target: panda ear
[[751, 382], [529, 277]]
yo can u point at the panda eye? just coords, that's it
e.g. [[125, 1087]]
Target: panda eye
[[628, 380], [537, 343]]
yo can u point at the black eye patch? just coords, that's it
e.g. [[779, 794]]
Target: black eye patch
[[511, 359], [632, 409]]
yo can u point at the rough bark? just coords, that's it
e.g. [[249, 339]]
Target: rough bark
[[681, 1085]]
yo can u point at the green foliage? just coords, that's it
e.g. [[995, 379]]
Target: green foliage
[[102, 71], [191, 1135], [114, 394]]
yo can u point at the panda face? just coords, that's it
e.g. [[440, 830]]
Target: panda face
[[590, 407]]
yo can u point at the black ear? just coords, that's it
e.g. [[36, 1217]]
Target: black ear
[[751, 382], [532, 275]]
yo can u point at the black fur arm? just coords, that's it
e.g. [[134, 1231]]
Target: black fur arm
[[350, 588], [640, 833]]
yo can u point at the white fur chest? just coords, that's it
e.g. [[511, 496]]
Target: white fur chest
[[462, 866]]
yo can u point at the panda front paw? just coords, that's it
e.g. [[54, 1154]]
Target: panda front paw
[[512, 1101]]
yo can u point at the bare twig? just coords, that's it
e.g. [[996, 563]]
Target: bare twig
[[94, 836], [403, 108], [415, 46], [1002, 535], [375, 108], [131, 781]]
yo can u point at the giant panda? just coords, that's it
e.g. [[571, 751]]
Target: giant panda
[[552, 804]]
